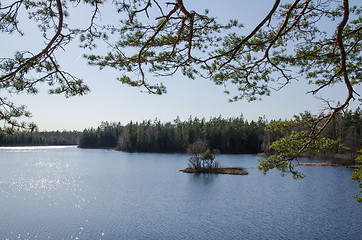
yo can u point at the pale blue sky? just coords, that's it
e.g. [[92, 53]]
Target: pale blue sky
[[109, 100]]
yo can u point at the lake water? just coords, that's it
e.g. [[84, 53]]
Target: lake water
[[72, 193]]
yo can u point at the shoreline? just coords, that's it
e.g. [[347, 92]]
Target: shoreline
[[230, 171], [37, 147], [328, 164]]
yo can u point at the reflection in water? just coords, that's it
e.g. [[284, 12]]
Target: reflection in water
[[204, 178]]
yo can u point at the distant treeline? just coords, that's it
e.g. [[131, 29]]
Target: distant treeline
[[232, 135], [40, 138]]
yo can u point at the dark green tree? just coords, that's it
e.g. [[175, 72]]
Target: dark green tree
[[104, 136], [208, 162], [36, 138]]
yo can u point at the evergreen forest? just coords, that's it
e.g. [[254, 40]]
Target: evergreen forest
[[231, 135], [225, 135]]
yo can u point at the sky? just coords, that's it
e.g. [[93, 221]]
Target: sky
[[111, 101]]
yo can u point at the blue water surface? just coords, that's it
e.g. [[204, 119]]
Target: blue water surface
[[72, 193]]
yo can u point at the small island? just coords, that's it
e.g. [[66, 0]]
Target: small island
[[202, 161], [231, 171]]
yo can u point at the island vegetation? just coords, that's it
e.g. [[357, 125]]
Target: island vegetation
[[202, 160]]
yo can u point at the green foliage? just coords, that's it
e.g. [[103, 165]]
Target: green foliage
[[265, 60], [280, 163], [300, 137], [176, 40], [288, 146], [208, 155], [357, 175], [204, 163]]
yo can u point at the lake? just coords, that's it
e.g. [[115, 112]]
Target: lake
[[72, 193]]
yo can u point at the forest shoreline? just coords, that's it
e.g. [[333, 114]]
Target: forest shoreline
[[330, 160], [328, 164]]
